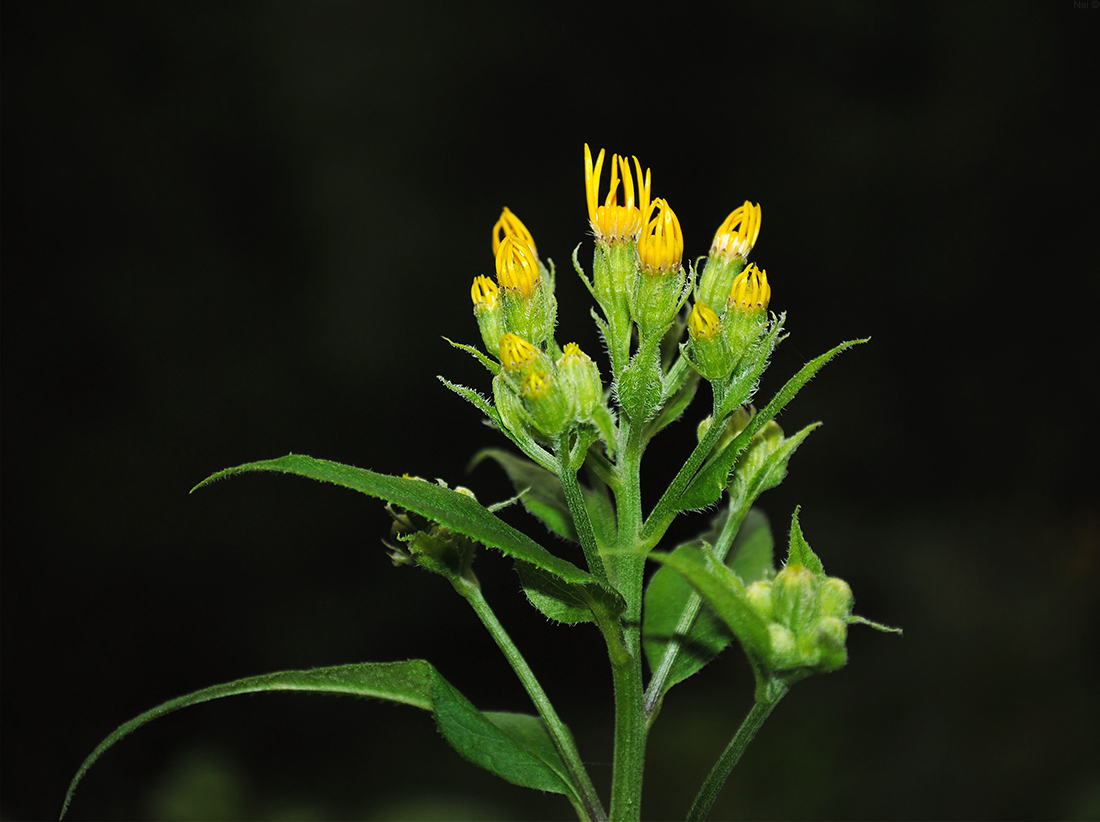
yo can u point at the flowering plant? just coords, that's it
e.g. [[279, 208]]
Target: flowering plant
[[582, 443]]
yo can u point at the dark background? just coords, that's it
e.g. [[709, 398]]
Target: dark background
[[234, 230]]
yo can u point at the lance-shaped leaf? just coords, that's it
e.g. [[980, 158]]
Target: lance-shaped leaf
[[515, 747], [569, 602], [708, 485], [449, 508], [542, 495], [723, 591], [540, 491], [680, 637]]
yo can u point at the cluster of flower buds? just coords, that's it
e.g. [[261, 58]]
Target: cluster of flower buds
[[807, 614], [521, 301], [731, 299], [637, 271], [535, 389], [638, 279], [540, 388], [424, 542]]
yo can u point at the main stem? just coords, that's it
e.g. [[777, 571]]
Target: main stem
[[629, 567], [718, 775], [559, 733]]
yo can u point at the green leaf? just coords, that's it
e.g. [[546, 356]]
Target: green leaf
[[744, 488], [540, 491], [490, 364], [475, 399], [723, 591], [752, 557], [566, 601], [450, 509], [514, 747], [800, 552], [678, 635], [714, 476]]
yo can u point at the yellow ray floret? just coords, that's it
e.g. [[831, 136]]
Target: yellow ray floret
[[703, 323], [508, 224], [751, 291], [484, 293], [661, 246], [738, 232], [613, 222], [516, 353], [517, 265]]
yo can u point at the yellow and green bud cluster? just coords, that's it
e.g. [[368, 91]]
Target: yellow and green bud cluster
[[641, 285], [721, 334], [637, 272], [535, 390], [731, 300], [522, 300], [807, 615]]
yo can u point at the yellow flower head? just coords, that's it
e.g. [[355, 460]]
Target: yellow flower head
[[751, 291], [572, 351], [509, 224], [661, 245], [737, 234], [703, 323], [516, 353], [484, 293], [612, 222], [517, 265], [536, 384]]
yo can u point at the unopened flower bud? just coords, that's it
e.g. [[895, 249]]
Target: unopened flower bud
[[579, 380], [710, 352], [489, 313], [660, 284], [732, 243]]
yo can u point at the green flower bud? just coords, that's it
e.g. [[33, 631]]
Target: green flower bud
[[513, 415], [794, 597], [548, 405], [659, 287], [736, 424], [759, 595], [746, 314], [526, 293], [579, 380], [762, 445], [426, 543], [489, 313], [709, 350]]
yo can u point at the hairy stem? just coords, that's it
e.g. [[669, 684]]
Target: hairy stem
[[574, 497], [559, 733], [718, 775], [629, 565]]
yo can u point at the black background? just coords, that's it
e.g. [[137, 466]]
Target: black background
[[234, 230]]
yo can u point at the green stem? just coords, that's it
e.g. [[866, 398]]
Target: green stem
[[718, 775], [629, 566], [559, 733], [567, 475], [664, 512]]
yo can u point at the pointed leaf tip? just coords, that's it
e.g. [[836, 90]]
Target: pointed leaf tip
[[800, 552]]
